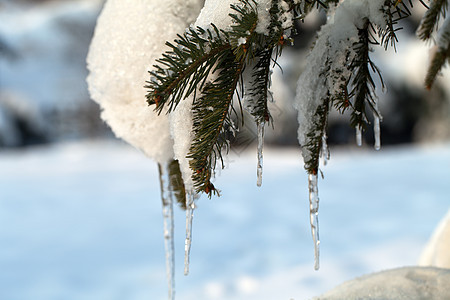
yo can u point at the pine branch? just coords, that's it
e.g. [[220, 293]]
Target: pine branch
[[211, 114], [363, 91], [431, 18], [390, 9], [243, 36], [259, 88], [185, 68], [316, 137], [438, 61], [440, 56]]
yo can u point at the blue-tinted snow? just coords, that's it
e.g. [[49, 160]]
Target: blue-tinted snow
[[84, 221]]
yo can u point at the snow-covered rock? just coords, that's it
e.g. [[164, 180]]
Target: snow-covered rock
[[437, 250], [408, 283], [129, 37]]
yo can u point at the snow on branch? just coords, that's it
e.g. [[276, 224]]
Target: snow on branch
[[440, 54], [339, 70], [201, 71]]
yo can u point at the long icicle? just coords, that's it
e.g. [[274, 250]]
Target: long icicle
[[190, 206], [325, 153], [314, 216], [259, 171], [167, 210]]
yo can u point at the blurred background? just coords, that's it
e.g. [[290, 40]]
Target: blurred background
[[44, 98], [79, 211]]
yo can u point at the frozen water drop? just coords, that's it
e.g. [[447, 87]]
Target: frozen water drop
[[314, 216]]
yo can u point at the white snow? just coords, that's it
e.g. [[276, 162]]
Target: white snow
[[83, 221], [335, 42], [216, 12], [437, 250], [399, 284], [127, 40], [286, 17], [263, 7], [181, 132]]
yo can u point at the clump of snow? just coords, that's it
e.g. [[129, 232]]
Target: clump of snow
[[398, 284], [181, 130], [437, 250], [128, 38], [262, 10], [216, 12], [331, 55], [286, 16]]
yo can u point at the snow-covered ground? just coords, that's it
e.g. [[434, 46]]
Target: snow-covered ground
[[83, 221]]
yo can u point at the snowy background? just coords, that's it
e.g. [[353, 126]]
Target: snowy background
[[84, 221], [80, 213]]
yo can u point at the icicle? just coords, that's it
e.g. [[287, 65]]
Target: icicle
[[376, 131], [314, 216], [325, 153], [167, 210], [190, 206], [359, 135], [260, 152]]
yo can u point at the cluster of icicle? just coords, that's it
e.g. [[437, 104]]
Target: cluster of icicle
[[125, 46], [129, 37], [334, 43]]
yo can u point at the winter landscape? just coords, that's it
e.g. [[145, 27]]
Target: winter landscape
[[84, 221], [81, 213]]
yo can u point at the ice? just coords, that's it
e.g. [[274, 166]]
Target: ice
[[314, 216], [334, 43], [376, 131], [260, 152], [169, 245], [190, 206], [359, 136], [325, 151]]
